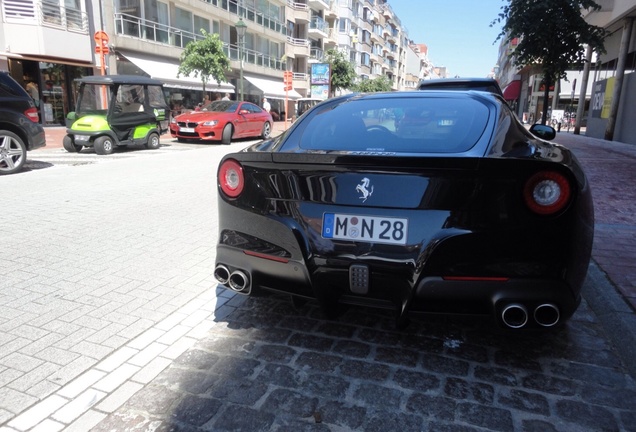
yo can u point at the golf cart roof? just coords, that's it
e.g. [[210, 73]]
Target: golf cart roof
[[118, 79]]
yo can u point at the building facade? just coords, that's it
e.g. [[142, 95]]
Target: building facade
[[147, 37], [596, 91]]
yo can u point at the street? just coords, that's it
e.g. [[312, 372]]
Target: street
[[111, 320]]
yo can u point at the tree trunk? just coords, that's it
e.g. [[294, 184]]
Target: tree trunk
[[546, 98]]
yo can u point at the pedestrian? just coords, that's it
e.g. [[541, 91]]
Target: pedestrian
[[266, 105], [226, 97]]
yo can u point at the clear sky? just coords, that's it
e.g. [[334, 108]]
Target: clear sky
[[457, 32]]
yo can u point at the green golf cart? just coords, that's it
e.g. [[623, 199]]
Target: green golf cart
[[116, 110]]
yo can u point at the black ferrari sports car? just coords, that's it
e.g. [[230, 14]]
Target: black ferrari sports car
[[421, 202]]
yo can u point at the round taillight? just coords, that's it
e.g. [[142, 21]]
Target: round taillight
[[547, 192], [231, 178]]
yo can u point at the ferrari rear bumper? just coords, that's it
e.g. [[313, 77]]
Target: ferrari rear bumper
[[513, 302]]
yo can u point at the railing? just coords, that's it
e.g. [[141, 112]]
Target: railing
[[319, 24], [129, 25], [297, 6], [249, 13], [316, 53], [297, 42], [45, 13], [254, 57]]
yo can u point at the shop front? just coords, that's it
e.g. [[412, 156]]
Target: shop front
[[50, 84]]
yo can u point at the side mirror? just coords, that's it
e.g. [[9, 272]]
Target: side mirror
[[543, 131]]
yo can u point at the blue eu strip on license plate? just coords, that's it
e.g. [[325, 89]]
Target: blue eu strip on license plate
[[371, 229]]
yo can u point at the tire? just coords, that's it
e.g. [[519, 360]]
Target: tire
[[267, 130], [226, 137], [69, 146], [153, 141], [12, 153], [104, 145]]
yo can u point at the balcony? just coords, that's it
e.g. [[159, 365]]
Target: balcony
[[318, 28], [387, 12], [315, 55], [300, 11], [332, 11], [331, 41], [301, 81], [162, 35], [47, 29], [393, 36], [318, 4], [299, 47]]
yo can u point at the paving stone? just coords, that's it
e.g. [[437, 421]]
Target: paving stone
[[588, 416], [484, 416]]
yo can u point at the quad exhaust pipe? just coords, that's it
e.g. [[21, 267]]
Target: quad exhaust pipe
[[547, 315], [222, 274], [237, 280], [515, 315]]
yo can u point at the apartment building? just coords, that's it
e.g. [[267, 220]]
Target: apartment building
[[147, 37]]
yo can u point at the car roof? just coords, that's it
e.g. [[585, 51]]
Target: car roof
[[482, 84], [119, 79]]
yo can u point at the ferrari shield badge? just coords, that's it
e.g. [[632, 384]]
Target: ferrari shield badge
[[363, 188]]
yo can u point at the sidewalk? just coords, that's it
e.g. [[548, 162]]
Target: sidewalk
[[55, 134], [611, 170]]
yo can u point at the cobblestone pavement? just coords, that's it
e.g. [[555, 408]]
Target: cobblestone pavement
[[110, 321]]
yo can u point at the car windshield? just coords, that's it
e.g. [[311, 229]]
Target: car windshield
[[222, 106], [93, 99], [398, 124]]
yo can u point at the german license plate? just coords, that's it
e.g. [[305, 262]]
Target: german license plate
[[81, 137], [186, 129], [370, 229]]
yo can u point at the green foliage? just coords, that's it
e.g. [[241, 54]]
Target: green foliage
[[552, 35], [205, 58], [342, 71], [377, 84]]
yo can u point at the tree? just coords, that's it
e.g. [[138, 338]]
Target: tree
[[342, 71], [377, 84], [552, 36], [205, 58]]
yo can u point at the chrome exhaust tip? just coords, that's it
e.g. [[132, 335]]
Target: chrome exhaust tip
[[222, 274], [514, 315], [547, 315], [239, 282]]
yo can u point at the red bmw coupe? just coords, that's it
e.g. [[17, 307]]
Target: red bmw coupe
[[222, 121]]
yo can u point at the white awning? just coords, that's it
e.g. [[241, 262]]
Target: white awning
[[167, 73], [272, 89]]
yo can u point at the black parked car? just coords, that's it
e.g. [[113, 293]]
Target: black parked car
[[19, 127], [481, 84], [457, 209]]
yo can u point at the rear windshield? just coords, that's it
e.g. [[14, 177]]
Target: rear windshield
[[410, 125]]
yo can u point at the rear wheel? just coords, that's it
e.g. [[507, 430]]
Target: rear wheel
[[69, 146], [226, 137], [153, 141], [12, 152], [267, 130], [104, 145]]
